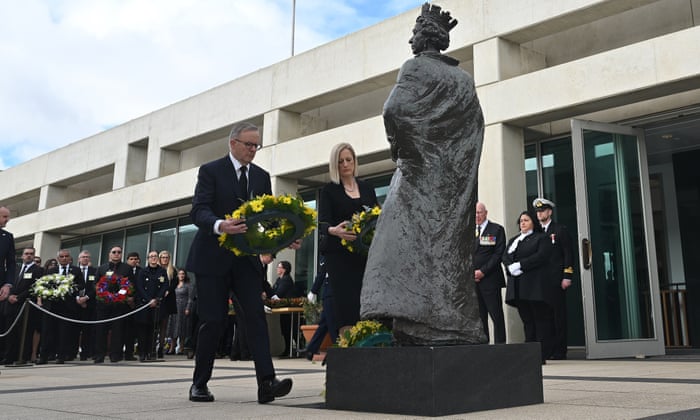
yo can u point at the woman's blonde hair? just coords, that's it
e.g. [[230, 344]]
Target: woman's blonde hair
[[170, 268], [335, 156]]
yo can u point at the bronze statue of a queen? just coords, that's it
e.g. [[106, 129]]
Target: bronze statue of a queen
[[419, 271]]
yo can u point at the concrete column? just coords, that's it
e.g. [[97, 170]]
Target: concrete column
[[502, 190], [498, 59], [495, 59], [169, 162], [136, 156], [51, 196], [47, 245], [120, 170], [279, 126]]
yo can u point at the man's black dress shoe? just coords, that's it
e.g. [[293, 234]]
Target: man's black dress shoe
[[200, 394], [270, 389], [99, 360], [41, 361], [60, 361], [307, 353]]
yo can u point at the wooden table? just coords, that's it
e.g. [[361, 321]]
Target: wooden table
[[295, 312]]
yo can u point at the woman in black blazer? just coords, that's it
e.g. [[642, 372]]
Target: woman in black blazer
[[340, 199], [525, 259]]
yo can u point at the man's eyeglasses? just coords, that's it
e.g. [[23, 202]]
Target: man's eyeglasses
[[116, 252], [249, 145]]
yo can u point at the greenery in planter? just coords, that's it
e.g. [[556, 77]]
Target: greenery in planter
[[312, 312]]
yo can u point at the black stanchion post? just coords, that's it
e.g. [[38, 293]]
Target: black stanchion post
[[20, 358]]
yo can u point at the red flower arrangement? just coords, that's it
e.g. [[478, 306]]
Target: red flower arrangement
[[112, 288]]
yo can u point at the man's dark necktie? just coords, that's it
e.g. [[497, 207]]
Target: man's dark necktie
[[243, 181]]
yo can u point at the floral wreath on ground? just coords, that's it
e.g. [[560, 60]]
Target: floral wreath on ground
[[274, 222], [368, 333], [112, 288], [362, 224], [53, 286]]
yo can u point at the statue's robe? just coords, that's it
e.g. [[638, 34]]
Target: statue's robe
[[419, 270]]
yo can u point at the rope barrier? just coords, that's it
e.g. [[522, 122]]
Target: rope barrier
[[19, 315], [79, 321]]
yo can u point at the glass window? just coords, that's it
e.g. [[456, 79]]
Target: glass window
[[558, 179], [621, 278], [92, 245], [73, 246], [108, 241], [531, 184], [185, 236], [556, 170], [163, 236], [304, 261], [137, 241], [381, 186]]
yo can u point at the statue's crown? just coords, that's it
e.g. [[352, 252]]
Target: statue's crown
[[435, 14]]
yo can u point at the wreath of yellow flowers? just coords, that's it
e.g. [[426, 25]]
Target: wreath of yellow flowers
[[367, 333], [363, 225], [274, 222]]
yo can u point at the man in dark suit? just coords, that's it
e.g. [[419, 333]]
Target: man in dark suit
[[222, 186], [28, 274], [106, 310], [87, 302], [8, 269], [488, 275], [57, 335], [129, 324], [561, 272]]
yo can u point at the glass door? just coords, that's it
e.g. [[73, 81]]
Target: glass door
[[619, 280]]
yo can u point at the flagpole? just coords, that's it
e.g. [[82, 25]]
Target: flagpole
[[294, 10]]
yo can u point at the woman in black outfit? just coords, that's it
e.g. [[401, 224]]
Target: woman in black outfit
[[340, 198], [525, 259], [284, 288]]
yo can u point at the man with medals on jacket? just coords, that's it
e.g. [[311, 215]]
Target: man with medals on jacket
[[488, 274]]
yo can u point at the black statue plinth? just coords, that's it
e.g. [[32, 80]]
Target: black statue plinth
[[433, 381]]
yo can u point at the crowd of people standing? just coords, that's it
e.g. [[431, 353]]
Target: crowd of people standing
[[539, 265], [163, 327]]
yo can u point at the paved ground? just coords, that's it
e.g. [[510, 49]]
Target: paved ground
[[665, 387]]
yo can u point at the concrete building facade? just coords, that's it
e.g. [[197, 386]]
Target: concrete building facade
[[594, 104]]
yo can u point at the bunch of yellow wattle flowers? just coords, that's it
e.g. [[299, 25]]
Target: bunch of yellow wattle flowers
[[361, 331], [362, 224], [273, 222]]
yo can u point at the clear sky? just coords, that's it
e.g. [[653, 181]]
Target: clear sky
[[72, 68]]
